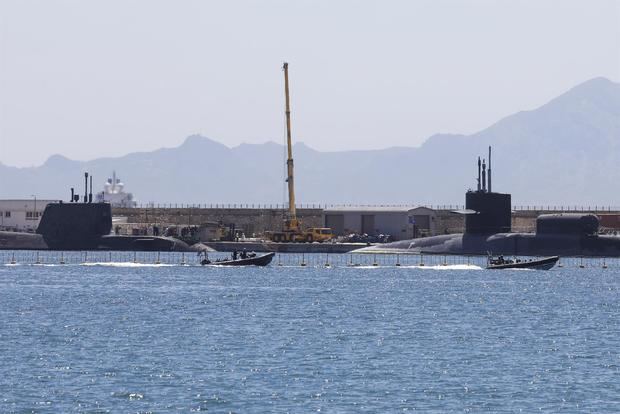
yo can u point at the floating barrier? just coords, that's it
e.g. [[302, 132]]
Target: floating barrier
[[323, 260]]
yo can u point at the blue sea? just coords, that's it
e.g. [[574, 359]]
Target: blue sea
[[102, 334]]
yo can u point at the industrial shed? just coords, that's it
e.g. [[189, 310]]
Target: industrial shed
[[402, 223], [372, 221]]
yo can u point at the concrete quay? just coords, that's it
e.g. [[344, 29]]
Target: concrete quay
[[256, 221], [249, 220], [331, 248]]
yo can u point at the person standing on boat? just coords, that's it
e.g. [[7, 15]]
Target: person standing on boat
[[234, 255], [206, 260]]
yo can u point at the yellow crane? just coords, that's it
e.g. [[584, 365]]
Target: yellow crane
[[291, 230], [291, 223]]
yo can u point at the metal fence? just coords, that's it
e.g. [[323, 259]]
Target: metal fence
[[312, 260], [557, 207]]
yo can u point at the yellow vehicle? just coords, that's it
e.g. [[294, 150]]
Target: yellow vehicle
[[319, 234], [291, 228], [309, 235]]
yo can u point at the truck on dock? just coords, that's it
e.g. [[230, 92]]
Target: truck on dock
[[291, 234]]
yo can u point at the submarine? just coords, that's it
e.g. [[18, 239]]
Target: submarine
[[84, 225], [488, 231]]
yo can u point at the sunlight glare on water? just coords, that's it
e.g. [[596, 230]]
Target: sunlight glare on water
[[120, 336]]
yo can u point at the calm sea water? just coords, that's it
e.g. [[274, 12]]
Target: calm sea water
[[119, 337]]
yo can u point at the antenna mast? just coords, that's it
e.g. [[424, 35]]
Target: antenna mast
[[489, 171], [479, 187]]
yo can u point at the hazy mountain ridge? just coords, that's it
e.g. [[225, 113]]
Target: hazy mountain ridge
[[565, 152]]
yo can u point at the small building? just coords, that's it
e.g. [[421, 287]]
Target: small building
[[22, 215]]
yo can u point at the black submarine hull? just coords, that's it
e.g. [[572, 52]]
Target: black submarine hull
[[84, 226], [517, 244], [143, 243], [10, 240]]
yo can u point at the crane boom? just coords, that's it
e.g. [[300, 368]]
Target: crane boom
[[289, 162], [291, 229]]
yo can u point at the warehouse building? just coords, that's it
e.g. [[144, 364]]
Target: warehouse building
[[401, 223], [372, 221]]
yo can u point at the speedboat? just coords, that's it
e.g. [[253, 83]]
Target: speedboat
[[544, 263], [262, 260]]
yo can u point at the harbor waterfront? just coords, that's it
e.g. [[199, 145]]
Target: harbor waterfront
[[104, 334], [258, 219], [309, 207]]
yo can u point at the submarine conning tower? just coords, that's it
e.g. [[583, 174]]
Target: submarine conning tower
[[75, 225], [487, 212]]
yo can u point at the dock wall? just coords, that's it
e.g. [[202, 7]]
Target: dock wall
[[250, 220], [255, 221]]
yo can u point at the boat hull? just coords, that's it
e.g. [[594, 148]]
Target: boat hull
[[540, 264], [263, 260]]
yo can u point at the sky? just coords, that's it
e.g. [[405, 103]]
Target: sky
[[89, 79]]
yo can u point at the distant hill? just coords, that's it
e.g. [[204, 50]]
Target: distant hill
[[565, 152]]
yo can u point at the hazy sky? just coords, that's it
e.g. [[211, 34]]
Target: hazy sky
[[103, 78]]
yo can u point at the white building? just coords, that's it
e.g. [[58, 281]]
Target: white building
[[22, 215], [113, 193]]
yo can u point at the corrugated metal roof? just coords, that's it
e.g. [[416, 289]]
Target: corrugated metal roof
[[361, 209]]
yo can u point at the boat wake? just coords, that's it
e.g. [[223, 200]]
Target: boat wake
[[446, 267], [433, 267], [129, 264]]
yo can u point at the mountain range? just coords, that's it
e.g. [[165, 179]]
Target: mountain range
[[565, 152]]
